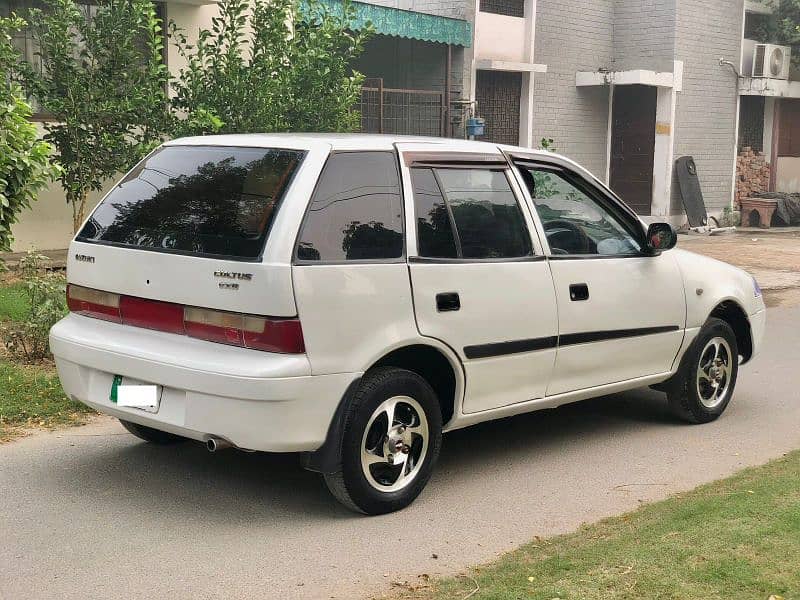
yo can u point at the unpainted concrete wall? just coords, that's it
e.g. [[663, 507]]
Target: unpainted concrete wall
[[572, 36], [706, 115]]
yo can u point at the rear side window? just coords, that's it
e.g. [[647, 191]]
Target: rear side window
[[205, 200], [356, 211], [434, 222], [468, 213]]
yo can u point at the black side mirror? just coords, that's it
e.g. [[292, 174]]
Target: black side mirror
[[660, 237]]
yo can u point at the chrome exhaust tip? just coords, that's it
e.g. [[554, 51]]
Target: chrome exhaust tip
[[214, 444]]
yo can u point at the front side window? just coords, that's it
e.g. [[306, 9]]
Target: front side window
[[574, 222], [468, 213], [205, 200], [356, 212]]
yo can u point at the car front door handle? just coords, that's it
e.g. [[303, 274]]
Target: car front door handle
[[578, 292], [448, 302]]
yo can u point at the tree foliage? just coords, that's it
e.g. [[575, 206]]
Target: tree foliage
[[103, 84], [24, 159], [782, 26], [268, 66]]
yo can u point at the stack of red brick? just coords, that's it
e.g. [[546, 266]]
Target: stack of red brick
[[752, 174]]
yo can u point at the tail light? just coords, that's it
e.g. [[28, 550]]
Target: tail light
[[94, 303], [151, 314], [247, 331], [258, 333]]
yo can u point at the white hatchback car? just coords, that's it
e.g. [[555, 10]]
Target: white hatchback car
[[352, 297]]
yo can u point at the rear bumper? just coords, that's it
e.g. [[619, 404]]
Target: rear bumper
[[255, 400]]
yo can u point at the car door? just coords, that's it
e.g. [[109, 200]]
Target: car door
[[622, 311], [480, 281]]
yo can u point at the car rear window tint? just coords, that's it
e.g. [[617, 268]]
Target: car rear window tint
[[356, 212], [486, 215], [205, 200], [434, 226]]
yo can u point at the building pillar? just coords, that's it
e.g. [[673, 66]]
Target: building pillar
[[526, 112], [663, 157]]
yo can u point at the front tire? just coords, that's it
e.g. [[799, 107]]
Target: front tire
[[703, 386], [154, 436], [391, 441]]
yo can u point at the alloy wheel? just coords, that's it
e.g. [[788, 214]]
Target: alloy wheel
[[394, 444], [714, 372]]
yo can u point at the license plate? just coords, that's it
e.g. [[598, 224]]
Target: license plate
[[135, 394]]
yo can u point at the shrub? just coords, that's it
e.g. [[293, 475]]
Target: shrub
[[268, 66], [24, 159], [27, 339]]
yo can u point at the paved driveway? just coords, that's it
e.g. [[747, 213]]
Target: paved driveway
[[94, 513]]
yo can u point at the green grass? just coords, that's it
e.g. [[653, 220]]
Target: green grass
[[13, 302], [32, 397], [738, 538]]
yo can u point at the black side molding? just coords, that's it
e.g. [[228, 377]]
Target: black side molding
[[513, 347], [569, 339]]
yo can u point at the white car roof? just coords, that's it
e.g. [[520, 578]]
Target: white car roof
[[341, 141]]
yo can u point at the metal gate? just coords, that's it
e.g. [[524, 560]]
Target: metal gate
[[401, 111], [497, 94]]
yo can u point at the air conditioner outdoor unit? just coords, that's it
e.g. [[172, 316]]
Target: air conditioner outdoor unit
[[771, 61]]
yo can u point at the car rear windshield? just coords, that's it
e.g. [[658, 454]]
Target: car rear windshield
[[205, 200]]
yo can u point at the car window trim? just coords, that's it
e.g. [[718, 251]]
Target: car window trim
[[364, 261], [455, 160], [615, 207], [462, 261]]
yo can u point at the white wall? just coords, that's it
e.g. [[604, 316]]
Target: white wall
[[191, 19], [788, 175], [500, 37]]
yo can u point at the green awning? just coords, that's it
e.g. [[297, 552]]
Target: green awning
[[409, 24]]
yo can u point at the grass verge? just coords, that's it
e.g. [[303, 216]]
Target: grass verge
[[31, 396], [738, 538], [13, 302]]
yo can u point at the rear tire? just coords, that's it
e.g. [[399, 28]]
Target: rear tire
[[391, 441], [154, 436], [703, 386]]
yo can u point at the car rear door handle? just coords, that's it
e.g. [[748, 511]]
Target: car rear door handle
[[578, 292], [447, 302]]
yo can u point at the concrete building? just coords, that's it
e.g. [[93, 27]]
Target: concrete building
[[627, 86], [633, 84], [769, 117]]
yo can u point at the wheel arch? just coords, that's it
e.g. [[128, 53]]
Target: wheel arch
[[734, 315], [434, 363]]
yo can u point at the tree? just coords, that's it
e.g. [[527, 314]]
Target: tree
[[268, 66], [24, 159], [782, 26], [103, 84]]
